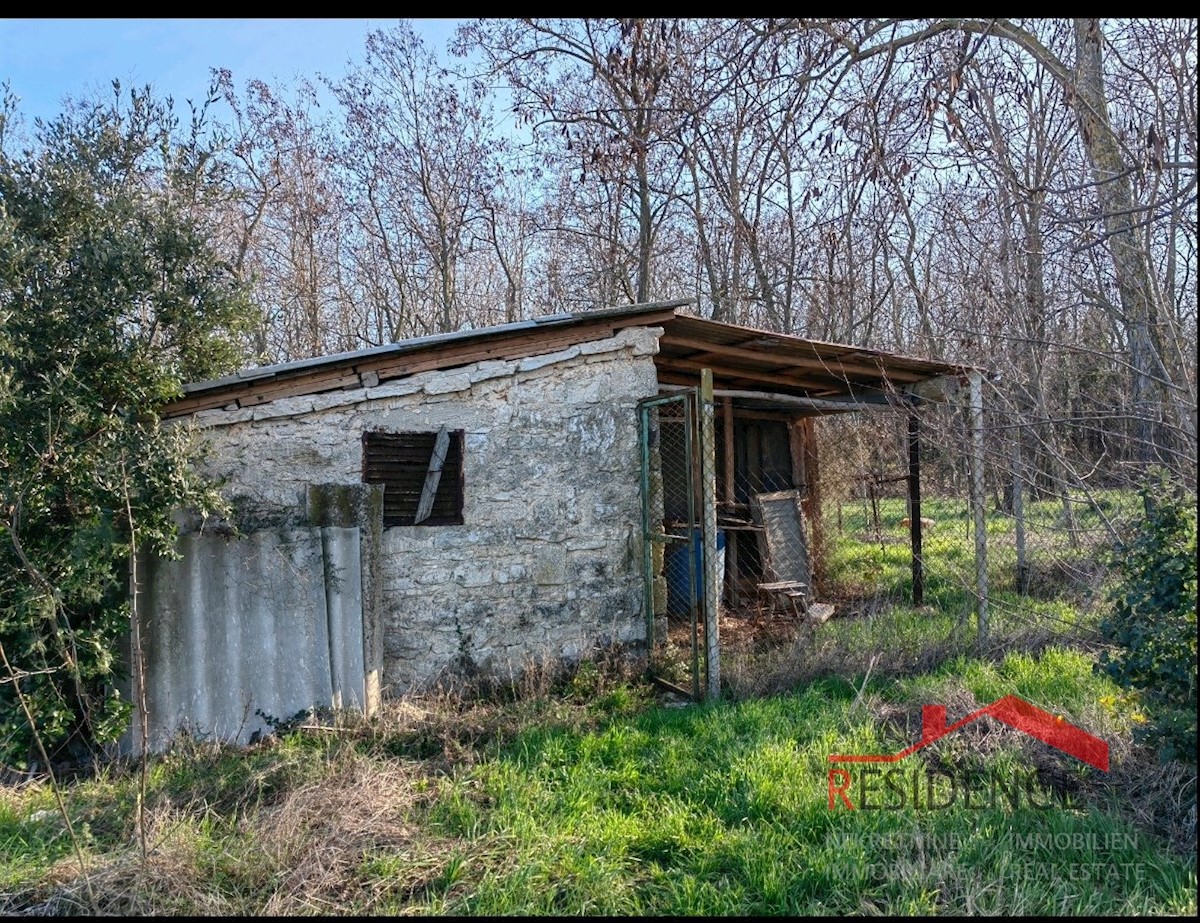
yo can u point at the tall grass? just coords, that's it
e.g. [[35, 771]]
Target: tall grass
[[587, 794], [591, 799]]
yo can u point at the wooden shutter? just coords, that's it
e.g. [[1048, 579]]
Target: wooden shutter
[[400, 462]]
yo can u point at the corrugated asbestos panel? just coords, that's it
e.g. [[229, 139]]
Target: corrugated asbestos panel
[[236, 632]]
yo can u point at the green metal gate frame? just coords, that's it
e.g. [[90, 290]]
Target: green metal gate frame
[[653, 527]]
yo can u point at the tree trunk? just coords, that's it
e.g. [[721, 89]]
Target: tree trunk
[[644, 228], [1115, 195]]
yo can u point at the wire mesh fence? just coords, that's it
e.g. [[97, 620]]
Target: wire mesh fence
[[674, 539], [879, 511], [1053, 520]]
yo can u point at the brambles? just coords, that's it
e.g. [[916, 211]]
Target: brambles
[[1153, 620]]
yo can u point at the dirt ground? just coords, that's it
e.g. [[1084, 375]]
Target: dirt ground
[[741, 629], [755, 626]]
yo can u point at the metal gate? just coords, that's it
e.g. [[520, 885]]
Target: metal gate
[[675, 542]]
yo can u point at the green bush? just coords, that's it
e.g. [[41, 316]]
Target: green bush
[[1153, 619], [110, 297]]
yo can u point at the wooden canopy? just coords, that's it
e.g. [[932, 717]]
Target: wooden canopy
[[743, 359]]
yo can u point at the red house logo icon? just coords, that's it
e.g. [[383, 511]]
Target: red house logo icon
[[1013, 711]]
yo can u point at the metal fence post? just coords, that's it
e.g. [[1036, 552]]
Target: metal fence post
[[708, 491], [1018, 510], [647, 541], [914, 507], [977, 503]]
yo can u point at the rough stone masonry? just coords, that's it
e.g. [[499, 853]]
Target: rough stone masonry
[[548, 560]]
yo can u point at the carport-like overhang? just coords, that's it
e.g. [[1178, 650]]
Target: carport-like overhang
[[757, 371]]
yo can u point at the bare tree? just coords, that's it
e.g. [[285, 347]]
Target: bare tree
[[415, 150], [1074, 56], [599, 88], [285, 235]]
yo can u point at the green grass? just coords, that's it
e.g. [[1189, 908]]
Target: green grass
[[1065, 564], [723, 810], [591, 798], [566, 806]]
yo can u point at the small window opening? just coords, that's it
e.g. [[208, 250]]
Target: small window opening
[[421, 473]]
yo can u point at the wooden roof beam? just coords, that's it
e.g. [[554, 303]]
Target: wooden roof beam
[[831, 366], [830, 384], [349, 374]]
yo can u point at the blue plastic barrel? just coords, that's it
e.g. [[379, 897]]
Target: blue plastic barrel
[[675, 566]]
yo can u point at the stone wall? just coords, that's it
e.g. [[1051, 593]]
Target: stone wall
[[548, 560]]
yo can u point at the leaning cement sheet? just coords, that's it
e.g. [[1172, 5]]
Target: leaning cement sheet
[[236, 634], [343, 607]]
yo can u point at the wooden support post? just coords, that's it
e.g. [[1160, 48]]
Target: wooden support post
[[977, 504], [796, 450], [812, 482], [708, 494], [914, 507], [731, 537], [433, 476]]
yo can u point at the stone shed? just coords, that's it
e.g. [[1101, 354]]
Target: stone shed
[[483, 496]]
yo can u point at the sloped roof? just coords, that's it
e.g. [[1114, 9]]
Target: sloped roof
[[740, 358], [745, 358]]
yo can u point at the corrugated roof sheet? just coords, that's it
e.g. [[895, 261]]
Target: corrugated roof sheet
[[740, 358], [427, 342]]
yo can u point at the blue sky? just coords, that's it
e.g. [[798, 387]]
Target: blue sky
[[45, 59]]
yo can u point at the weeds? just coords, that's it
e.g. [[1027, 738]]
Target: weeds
[[577, 791]]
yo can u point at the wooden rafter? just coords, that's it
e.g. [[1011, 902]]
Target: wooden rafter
[[735, 373], [741, 357], [835, 366]]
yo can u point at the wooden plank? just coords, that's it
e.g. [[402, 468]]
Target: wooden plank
[[325, 380], [709, 331], [740, 374], [250, 394], [808, 404], [740, 377], [196, 404], [389, 367], [786, 595], [297, 389], [832, 364], [776, 416], [436, 356], [681, 379], [796, 452], [511, 346], [433, 476]]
